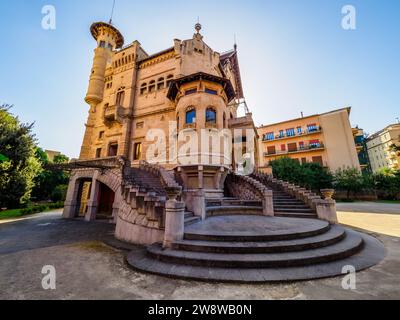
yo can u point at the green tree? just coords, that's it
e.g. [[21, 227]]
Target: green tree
[[18, 164], [309, 175], [388, 182], [349, 180], [50, 178]]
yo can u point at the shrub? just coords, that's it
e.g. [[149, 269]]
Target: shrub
[[59, 193], [309, 175], [349, 180]]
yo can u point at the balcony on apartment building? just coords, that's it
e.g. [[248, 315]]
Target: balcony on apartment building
[[295, 134], [291, 149]]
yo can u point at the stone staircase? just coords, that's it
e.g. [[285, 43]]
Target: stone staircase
[[285, 205], [190, 218], [259, 249]]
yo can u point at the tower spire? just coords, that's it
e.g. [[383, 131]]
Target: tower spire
[[112, 12]]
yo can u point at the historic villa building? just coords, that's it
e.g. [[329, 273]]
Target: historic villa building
[[168, 161]]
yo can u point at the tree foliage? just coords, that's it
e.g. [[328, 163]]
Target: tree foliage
[[50, 183], [18, 164], [309, 175]]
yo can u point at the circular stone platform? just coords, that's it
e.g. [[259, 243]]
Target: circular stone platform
[[260, 249]]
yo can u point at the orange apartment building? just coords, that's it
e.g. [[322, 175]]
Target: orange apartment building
[[325, 138]]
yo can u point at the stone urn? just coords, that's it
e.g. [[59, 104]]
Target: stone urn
[[173, 192], [327, 193]]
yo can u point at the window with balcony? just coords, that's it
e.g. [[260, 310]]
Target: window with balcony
[[312, 128], [314, 144], [292, 147], [281, 134], [290, 132], [269, 136], [271, 150], [299, 130]]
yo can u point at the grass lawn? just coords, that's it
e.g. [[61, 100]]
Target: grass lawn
[[388, 201], [9, 214], [17, 213]]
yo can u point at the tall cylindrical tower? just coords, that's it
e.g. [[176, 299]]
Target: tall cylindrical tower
[[108, 39]]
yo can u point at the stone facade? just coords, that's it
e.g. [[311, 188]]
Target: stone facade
[[162, 139]]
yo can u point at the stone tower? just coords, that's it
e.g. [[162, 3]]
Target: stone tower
[[108, 39]]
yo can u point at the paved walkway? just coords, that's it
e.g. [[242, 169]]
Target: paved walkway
[[87, 269], [375, 217]]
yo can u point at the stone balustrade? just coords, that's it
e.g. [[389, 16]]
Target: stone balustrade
[[247, 188], [325, 208]]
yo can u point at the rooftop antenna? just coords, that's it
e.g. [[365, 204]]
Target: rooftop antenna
[[302, 114], [112, 11], [235, 43]]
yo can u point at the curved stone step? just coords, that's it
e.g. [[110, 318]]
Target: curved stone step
[[349, 246], [334, 235], [254, 228], [372, 253], [232, 210], [312, 215]]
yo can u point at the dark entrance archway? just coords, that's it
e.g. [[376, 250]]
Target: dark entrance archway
[[105, 202]]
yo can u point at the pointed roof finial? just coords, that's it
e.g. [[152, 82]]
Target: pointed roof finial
[[235, 43], [197, 27]]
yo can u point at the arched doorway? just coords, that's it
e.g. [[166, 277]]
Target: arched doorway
[[105, 202]]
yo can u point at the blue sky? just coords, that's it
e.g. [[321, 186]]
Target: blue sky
[[294, 56]]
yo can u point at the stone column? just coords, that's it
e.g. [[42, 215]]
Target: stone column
[[71, 200], [268, 203], [199, 204], [174, 219], [93, 201], [117, 201], [326, 210]]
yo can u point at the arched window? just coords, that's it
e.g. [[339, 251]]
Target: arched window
[[190, 115], [170, 78], [152, 86], [143, 88], [160, 84], [211, 115], [120, 98]]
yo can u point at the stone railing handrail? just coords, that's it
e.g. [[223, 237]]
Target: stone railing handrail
[[325, 208], [251, 189], [167, 178]]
